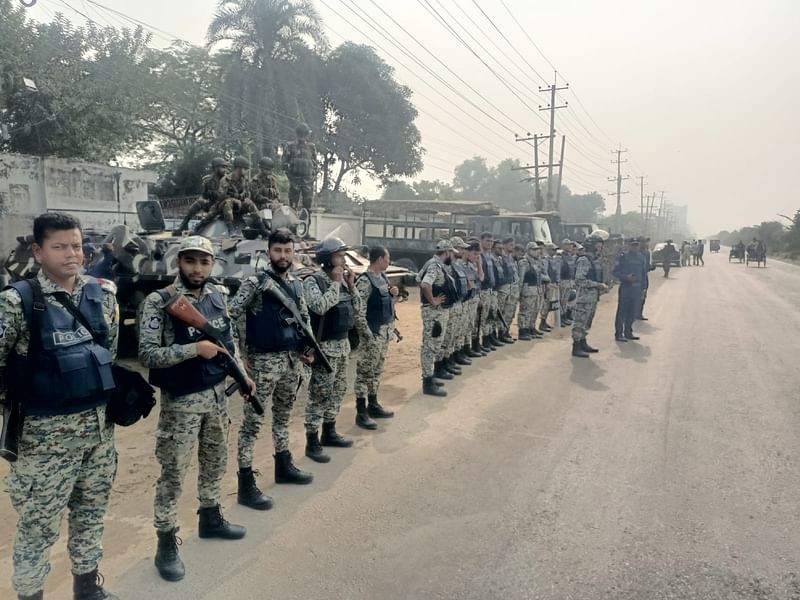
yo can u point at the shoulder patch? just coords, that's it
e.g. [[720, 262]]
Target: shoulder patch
[[108, 286]]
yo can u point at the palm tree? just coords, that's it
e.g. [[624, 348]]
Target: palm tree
[[260, 31]]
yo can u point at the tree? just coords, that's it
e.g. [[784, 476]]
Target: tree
[[369, 119], [434, 190], [581, 208], [471, 178]]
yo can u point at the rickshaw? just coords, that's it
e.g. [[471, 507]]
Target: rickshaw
[[756, 253], [736, 253], [713, 245]]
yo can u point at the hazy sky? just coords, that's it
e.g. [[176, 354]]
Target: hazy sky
[[703, 94]]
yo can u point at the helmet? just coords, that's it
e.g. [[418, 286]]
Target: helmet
[[327, 248], [196, 243], [600, 233], [302, 130], [218, 162], [591, 240], [240, 162], [266, 163]]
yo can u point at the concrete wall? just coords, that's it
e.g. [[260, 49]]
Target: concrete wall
[[30, 185]]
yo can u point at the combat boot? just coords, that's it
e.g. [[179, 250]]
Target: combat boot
[[450, 365], [460, 358], [535, 333], [314, 449], [486, 345], [587, 348], [375, 410], [440, 371], [248, 493], [183, 226], [89, 586], [213, 525], [471, 350], [524, 335], [431, 389], [577, 350], [495, 339], [37, 596], [169, 564], [543, 326], [286, 472], [330, 437], [505, 336], [363, 419]]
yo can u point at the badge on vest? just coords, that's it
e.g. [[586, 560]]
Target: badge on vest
[[70, 338], [154, 323]]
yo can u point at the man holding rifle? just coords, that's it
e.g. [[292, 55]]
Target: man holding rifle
[[191, 371], [273, 325], [57, 373]]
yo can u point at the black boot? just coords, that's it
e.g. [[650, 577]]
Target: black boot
[[487, 345], [363, 419], [524, 335], [169, 564], [431, 389], [286, 472], [213, 525], [460, 358], [535, 333], [577, 350], [331, 438], [37, 596], [543, 326], [495, 339], [587, 348], [440, 371], [505, 337], [89, 586], [472, 350], [450, 366], [314, 449], [375, 410], [248, 493]]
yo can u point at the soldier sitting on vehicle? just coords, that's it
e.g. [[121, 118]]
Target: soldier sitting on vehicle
[[210, 198]]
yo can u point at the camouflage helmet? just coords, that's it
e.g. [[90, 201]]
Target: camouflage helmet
[[196, 243], [240, 162], [266, 162], [302, 130], [218, 161], [327, 248]]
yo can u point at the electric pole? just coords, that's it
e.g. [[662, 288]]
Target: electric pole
[[619, 179], [641, 179], [661, 225], [536, 139], [552, 108], [560, 173]]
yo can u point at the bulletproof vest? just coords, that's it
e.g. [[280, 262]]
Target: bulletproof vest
[[198, 373], [301, 163], [531, 276], [70, 370], [566, 268], [509, 269], [489, 275], [499, 272], [339, 320], [472, 275], [594, 273], [448, 288], [552, 271], [380, 310], [267, 330], [211, 187], [460, 281]]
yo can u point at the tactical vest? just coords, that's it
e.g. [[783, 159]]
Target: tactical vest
[[198, 373], [380, 309], [267, 330], [489, 281], [70, 369], [472, 275], [509, 269], [460, 281], [499, 272], [339, 320], [531, 276], [594, 273], [448, 288], [566, 269]]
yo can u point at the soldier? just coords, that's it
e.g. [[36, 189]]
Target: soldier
[[630, 269], [194, 407], [551, 283], [528, 276], [300, 165], [58, 338], [472, 267], [567, 280], [436, 289], [274, 349], [502, 290], [488, 295], [335, 307], [453, 358], [234, 192], [209, 198], [509, 307], [588, 284], [377, 307], [264, 186]]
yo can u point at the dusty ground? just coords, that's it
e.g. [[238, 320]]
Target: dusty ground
[[663, 469]]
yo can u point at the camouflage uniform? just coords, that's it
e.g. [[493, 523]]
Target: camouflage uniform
[[471, 305], [235, 192], [455, 322], [432, 273], [567, 283], [509, 306], [300, 164], [586, 302], [372, 349], [551, 288], [64, 461], [209, 200], [542, 300], [529, 294], [277, 374], [200, 417], [326, 390], [264, 189], [488, 306]]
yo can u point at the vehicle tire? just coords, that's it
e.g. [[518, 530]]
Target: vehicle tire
[[406, 263]]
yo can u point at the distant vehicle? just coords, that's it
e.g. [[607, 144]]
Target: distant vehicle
[[713, 245], [657, 256], [578, 232]]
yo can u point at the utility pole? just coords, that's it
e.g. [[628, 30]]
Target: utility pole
[[619, 179], [536, 139], [641, 179], [661, 226], [560, 173], [552, 108]]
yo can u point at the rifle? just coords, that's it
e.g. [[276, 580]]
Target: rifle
[[502, 320], [12, 428], [296, 320], [179, 307]]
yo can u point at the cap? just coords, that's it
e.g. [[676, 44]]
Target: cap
[[198, 243], [458, 243], [566, 241], [474, 245], [442, 245], [550, 246], [578, 246], [531, 246]]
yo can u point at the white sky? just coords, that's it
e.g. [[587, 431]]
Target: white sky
[[703, 93]]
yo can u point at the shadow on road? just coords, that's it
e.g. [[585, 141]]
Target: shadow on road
[[587, 374], [634, 351]]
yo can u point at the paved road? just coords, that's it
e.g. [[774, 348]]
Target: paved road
[[661, 469]]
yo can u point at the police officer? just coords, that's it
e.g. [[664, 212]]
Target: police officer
[[60, 370], [509, 307], [210, 196], [436, 290], [551, 265], [567, 262], [471, 259], [630, 269], [488, 295], [334, 306], [588, 284], [300, 165], [454, 339], [528, 276], [194, 407], [275, 349], [377, 306]]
